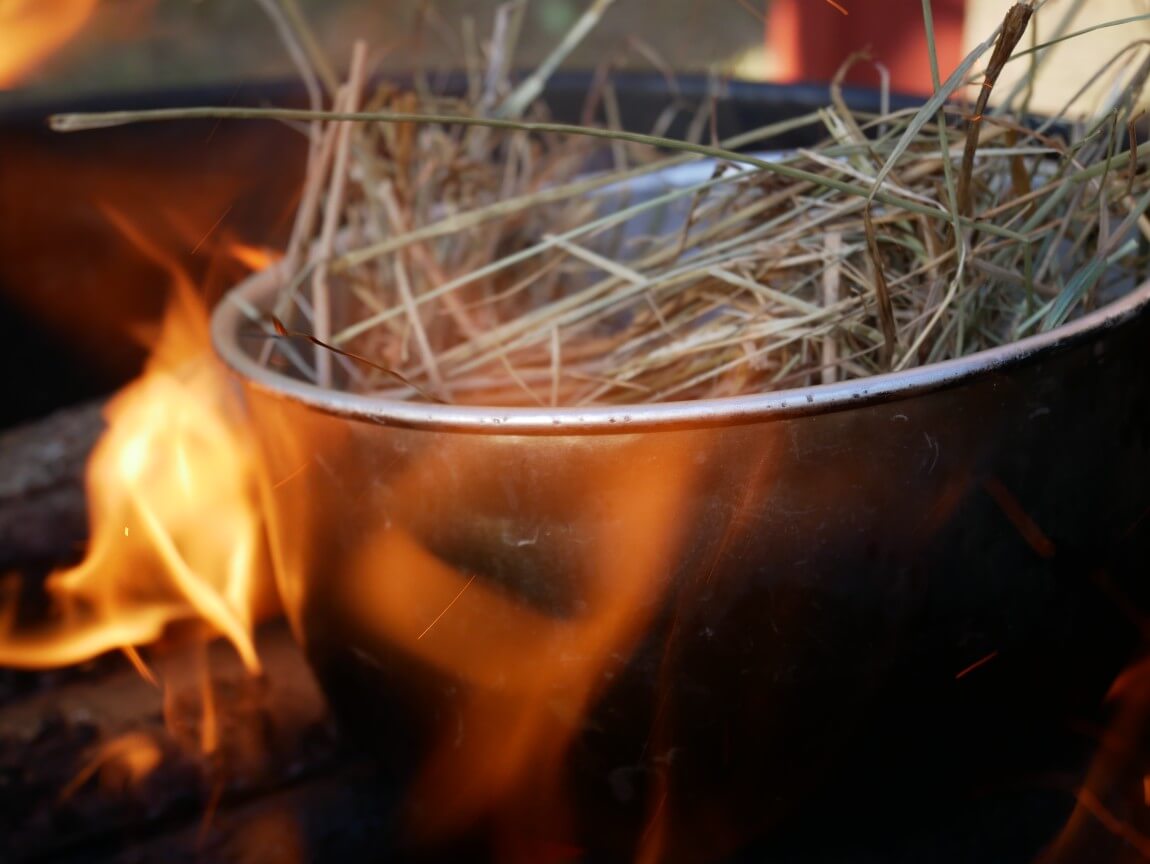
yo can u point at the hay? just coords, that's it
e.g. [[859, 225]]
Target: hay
[[480, 261]]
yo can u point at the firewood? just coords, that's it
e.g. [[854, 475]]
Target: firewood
[[43, 514], [95, 764]]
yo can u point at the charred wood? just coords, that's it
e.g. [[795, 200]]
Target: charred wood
[[43, 513], [97, 767]]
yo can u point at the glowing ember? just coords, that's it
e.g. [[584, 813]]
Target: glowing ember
[[33, 30]]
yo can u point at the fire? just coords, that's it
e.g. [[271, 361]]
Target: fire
[[121, 763], [176, 531], [254, 257], [528, 677], [33, 30], [176, 535]]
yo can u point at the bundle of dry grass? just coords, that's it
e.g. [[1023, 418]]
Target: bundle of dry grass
[[462, 250]]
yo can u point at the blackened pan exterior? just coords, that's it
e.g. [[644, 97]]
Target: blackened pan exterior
[[829, 564]]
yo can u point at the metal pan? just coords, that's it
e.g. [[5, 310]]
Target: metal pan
[[710, 619]]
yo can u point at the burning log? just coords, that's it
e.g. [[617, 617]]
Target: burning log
[[43, 513], [95, 758], [110, 756]]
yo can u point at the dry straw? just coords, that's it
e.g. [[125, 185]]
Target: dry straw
[[463, 250]]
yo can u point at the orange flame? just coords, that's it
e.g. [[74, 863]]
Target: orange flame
[[121, 763], [33, 30], [529, 677], [254, 257], [176, 532]]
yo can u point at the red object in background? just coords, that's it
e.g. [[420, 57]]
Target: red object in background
[[810, 39]]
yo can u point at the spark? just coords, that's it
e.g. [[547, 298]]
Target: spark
[[285, 480], [454, 600], [211, 230], [1027, 528], [839, 6], [976, 664]]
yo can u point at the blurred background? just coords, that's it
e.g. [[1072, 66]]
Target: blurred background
[[129, 44]]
